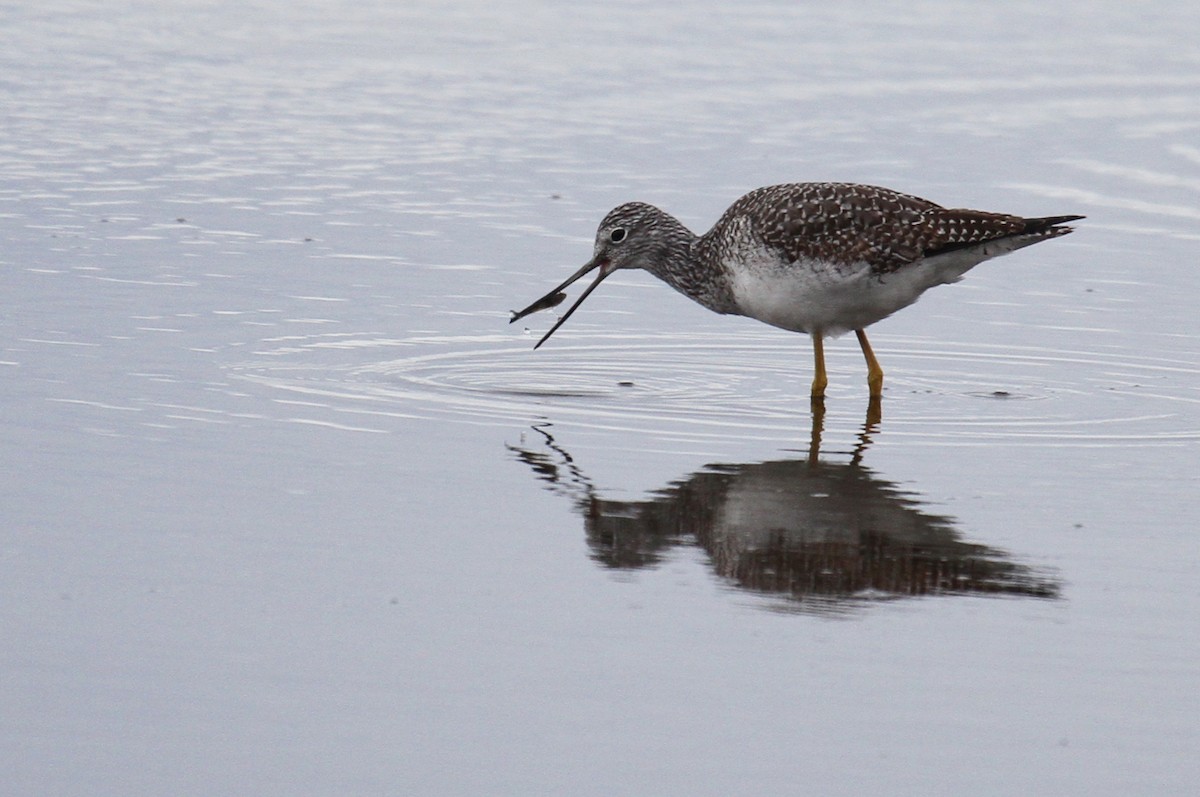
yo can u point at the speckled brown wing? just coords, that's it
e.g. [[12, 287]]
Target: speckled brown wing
[[959, 228], [839, 223], [848, 223]]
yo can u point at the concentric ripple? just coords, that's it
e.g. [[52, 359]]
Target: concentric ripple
[[750, 387]]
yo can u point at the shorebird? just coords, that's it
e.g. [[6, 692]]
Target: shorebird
[[818, 258]]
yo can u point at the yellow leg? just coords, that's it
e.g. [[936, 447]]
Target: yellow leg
[[820, 380], [874, 372]]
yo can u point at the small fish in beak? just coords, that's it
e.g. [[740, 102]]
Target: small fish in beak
[[555, 297], [545, 303]]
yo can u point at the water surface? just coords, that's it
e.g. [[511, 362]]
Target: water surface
[[290, 508]]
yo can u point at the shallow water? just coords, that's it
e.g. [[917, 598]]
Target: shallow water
[[290, 507]]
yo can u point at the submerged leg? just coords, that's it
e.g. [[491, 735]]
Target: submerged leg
[[820, 380], [874, 372], [818, 428]]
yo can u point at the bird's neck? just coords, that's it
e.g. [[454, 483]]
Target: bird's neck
[[678, 260]]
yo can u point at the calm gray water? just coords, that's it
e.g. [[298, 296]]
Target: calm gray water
[[288, 508]]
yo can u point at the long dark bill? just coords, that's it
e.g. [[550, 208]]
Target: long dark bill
[[555, 296]]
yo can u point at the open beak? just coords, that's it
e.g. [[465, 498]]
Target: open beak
[[555, 297]]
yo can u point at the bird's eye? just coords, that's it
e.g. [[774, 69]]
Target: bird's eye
[[617, 235]]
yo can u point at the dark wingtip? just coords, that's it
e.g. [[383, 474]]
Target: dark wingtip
[[1046, 222]]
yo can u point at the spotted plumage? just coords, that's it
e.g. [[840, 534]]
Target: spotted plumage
[[819, 258], [847, 223]]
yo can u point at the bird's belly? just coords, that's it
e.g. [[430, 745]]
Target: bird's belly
[[819, 299]]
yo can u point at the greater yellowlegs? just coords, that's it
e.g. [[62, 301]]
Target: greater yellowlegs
[[819, 258]]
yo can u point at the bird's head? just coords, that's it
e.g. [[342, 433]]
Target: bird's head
[[633, 235]]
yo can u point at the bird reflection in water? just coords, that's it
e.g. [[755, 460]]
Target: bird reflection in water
[[825, 536]]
